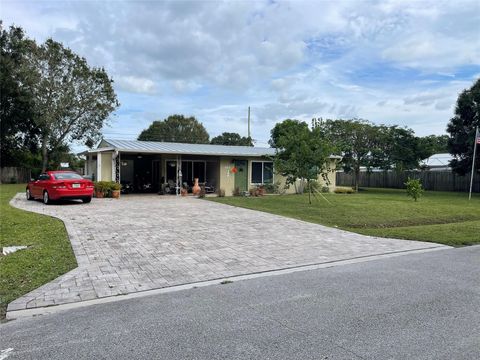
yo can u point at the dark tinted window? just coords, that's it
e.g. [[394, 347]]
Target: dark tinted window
[[67, 176], [256, 172], [44, 177]]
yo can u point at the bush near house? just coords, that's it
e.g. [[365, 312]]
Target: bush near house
[[106, 188]]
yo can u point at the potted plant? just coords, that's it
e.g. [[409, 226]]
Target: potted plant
[[99, 189], [183, 191], [115, 189]]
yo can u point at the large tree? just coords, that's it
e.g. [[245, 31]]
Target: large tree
[[285, 127], [71, 100], [359, 141], [301, 152], [18, 131], [176, 128], [432, 144], [462, 130], [396, 149], [228, 138]]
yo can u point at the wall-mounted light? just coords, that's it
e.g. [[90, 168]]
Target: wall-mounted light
[[139, 156]]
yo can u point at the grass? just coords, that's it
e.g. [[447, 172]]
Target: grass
[[441, 217], [49, 253]]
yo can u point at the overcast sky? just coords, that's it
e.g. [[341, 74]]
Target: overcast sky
[[391, 62]]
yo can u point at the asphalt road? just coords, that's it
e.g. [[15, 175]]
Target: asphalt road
[[422, 306]]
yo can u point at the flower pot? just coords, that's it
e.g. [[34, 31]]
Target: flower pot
[[116, 194], [183, 192], [196, 188], [99, 194]]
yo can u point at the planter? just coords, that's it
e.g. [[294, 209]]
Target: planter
[[99, 194], [183, 192], [196, 188], [116, 194]]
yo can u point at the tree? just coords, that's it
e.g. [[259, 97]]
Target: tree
[[18, 131], [359, 141], [72, 100], [432, 144], [397, 149], [228, 138], [301, 152], [462, 129], [176, 128], [287, 126]]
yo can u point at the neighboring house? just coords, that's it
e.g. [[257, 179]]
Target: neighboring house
[[437, 162], [153, 165]]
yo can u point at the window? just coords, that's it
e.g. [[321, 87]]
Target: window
[[262, 172], [192, 169], [67, 176], [257, 172]]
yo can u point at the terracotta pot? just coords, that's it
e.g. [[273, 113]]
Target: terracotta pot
[[116, 194], [196, 188], [99, 194], [183, 192]]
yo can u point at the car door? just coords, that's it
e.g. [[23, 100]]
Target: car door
[[39, 185]]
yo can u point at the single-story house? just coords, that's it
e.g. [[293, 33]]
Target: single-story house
[[151, 166]]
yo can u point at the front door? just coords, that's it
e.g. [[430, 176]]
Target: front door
[[241, 176]]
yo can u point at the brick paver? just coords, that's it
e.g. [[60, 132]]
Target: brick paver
[[148, 242]]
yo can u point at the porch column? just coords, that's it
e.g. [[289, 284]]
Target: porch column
[[85, 165], [114, 165], [99, 166]]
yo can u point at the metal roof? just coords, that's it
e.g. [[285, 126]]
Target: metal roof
[[181, 148], [438, 160]]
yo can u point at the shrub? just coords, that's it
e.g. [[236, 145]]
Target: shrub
[[344, 190], [272, 188], [221, 193], [414, 188], [106, 187]]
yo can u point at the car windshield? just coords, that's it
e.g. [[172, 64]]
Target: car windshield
[[67, 176]]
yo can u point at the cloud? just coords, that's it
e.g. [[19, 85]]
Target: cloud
[[392, 61]]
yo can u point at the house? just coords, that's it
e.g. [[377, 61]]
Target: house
[[437, 162], [153, 166]]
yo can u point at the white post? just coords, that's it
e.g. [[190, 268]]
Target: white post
[[85, 165], [473, 162], [99, 166], [114, 158]]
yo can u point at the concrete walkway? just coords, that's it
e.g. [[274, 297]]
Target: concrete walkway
[[142, 243]]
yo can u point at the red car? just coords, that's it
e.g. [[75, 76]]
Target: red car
[[56, 185]]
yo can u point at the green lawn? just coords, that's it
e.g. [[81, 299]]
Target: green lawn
[[49, 254], [441, 217]]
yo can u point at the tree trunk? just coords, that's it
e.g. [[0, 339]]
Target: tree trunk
[[309, 192], [44, 154], [357, 177]]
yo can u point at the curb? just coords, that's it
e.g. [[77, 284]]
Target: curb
[[26, 313]]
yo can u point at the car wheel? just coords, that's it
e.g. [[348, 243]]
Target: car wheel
[[87, 200], [46, 198], [28, 194]]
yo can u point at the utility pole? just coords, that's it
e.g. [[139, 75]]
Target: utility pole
[[249, 121]]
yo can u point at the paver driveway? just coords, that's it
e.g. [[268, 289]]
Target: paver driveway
[[140, 243]]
